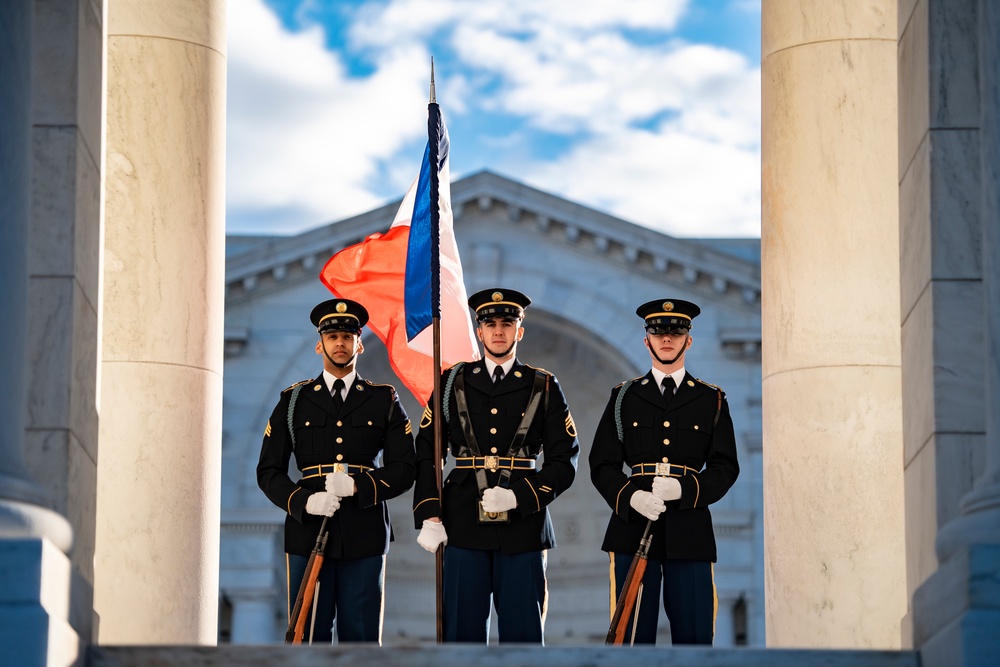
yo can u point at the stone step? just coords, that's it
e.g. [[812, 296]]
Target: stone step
[[423, 655]]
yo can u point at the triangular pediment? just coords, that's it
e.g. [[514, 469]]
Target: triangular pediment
[[508, 209]]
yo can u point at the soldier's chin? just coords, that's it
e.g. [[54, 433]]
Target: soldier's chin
[[503, 352]]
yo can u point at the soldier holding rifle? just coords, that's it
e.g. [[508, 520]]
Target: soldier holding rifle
[[664, 451], [499, 416], [338, 426]]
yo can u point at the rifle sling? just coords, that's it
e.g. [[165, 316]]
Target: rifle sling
[[517, 444]]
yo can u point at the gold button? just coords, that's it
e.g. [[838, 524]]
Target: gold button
[[493, 430], [339, 440], [340, 457], [307, 423], [316, 388], [369, 423], [493, 411], [340, 423], [696, 427], [635, 423], [493, 450], [666, 424], [666, 441], [666, 460]]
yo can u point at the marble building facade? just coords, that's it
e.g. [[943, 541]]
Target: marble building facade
[[585, 272]]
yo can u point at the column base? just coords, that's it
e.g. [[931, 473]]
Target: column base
[[35, 598], [21, 520], [956, 612]]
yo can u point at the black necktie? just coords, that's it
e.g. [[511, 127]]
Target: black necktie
[[497, 374], [338, 398], [668, 387]]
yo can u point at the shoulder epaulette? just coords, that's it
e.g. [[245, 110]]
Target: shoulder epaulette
[[296, 385], [707, 384], [392, 389], [539, 370], [624, 381]]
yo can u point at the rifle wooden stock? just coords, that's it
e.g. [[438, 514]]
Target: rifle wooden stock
[[303, 601], [626, 606]]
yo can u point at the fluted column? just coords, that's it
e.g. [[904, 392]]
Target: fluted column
[[157, 554], [833, 478]]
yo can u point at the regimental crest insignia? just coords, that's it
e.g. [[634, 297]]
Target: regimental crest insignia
[[570, 426]]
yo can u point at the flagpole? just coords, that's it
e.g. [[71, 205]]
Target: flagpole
[[433, 142]]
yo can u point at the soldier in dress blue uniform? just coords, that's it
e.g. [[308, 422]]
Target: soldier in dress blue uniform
[[498, 415], [337, 425], [663, 452]]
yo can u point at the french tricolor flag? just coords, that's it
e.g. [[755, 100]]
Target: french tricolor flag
[[409, 274]]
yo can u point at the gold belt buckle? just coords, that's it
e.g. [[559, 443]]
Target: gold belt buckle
[[492, 517], [492, 463], [662, 469], [339, 467]]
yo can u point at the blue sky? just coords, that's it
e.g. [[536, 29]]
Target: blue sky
[[646, 109]]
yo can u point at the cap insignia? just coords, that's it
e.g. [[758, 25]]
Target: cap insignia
[[668, 306], [497, 296], [341, 307]]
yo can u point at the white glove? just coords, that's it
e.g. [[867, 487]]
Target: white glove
[[498, 499], [666, 488], [646, 504], [322, 504], [340, 484], [432, 535]]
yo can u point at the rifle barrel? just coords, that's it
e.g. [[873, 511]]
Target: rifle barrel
[[630, 590], [303, 601]]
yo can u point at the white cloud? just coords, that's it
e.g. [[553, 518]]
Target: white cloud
[[661, 131], [674, 182], [304, 137]]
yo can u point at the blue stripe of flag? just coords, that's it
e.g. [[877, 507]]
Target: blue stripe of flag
[[417, 292]]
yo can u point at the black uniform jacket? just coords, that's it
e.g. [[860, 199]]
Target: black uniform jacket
[[370, 422], [680, 433], [495, 412]]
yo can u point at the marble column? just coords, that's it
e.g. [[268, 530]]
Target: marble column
[[833, 479], [34, 569], [64, 271], [956, 610], [157, 555]]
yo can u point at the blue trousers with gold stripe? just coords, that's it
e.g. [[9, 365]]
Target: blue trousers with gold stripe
[[688, 598], [516, 584], [350, 592]]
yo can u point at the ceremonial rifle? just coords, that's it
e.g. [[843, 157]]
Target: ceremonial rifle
[[631, 591], [304, 600]]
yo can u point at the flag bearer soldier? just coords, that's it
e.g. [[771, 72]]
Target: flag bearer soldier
[[664, 451], [498, 416], [337, 426]]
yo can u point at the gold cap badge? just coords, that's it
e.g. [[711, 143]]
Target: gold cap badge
[[497, 296], [668, 306], [341, 307]]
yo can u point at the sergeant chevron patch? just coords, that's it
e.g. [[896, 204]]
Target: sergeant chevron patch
[[427, 418], [267, 429], [570, 426]]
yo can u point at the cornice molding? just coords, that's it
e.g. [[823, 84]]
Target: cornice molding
[[279, 261]]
